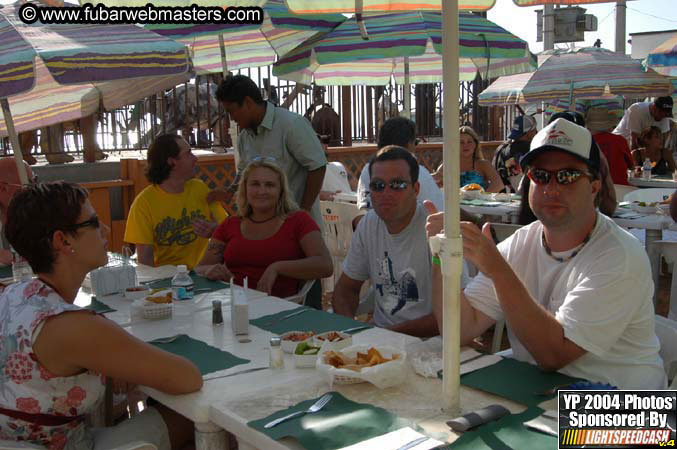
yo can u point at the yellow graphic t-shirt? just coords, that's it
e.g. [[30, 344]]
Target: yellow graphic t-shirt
[[164, 221]]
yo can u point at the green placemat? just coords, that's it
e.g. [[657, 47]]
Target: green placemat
[[311, 320], [200, 283], [516, 380], [99, 307], [207, 358], [6, 272], [506, 433], [340, 423]]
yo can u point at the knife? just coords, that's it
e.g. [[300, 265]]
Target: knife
[[413, 443], [286, 317], [240, 372]]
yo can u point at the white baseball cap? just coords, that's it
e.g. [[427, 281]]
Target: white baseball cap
[[566, 136]]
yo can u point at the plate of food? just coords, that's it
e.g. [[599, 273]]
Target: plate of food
[[471, 191], [333, 340], [291, 339], [381, 366]]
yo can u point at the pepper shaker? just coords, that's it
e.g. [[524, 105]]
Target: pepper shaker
[[276, 359], [217, 314]]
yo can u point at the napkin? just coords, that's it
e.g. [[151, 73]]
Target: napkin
[[340, 423], [99, 307], [207, 358], [311, 320], [507, 432], [516, 380]]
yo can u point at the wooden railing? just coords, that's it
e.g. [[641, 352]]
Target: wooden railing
[[219, 171]]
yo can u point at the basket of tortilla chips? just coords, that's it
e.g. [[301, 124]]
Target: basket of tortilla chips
[[381, 366]]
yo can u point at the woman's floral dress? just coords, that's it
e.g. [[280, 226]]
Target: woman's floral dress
[[26, 386]]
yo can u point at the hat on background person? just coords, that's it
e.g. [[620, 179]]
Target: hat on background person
[[521, 126], [664, 104], [566, 136], [600, 119]]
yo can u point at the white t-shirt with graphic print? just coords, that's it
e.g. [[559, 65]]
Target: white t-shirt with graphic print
[[398, 265]]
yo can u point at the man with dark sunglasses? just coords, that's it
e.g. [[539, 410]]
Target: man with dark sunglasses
[[574, 288], [389, 248], [9, 184]]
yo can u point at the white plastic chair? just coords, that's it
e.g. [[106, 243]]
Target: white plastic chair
[[666, 330], [300, 296], [338, 230], [622, 190], [668, 249], [503, 231], [648, 195]]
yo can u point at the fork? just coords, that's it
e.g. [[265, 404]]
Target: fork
[[166, 340], [315, 407]]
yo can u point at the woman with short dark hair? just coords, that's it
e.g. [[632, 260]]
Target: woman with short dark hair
[[55, 355]]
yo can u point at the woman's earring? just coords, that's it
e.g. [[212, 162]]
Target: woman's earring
[[72, 250]]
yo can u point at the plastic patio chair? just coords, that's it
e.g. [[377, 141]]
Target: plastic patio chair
[[668, 249], [503, 231], [666, 330], [300, 296], [338, 230]]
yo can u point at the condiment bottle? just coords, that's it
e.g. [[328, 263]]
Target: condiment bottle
[[276, 358], [217, 314]]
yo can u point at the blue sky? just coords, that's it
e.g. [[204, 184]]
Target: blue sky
[[641, 15]]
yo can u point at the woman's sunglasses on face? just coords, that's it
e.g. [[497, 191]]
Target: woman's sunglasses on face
[[395, 185], [562, 176], [93, 222]]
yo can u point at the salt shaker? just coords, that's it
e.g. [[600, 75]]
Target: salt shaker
[[276, 359], [217, 314]]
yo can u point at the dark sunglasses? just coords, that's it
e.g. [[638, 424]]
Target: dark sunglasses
[[562, 176], [93, 222], [395, 185]]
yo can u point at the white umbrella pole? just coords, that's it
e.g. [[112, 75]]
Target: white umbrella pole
[[232, 129], [451, 252], [407, 89], [14, 140]]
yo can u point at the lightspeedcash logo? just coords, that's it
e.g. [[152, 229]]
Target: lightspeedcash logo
[[149, 14]]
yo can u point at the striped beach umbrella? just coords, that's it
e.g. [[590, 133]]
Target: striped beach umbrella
[[76, 54], [248, 45], [580, 73], [663, 59], [381, 6], [343, 57]]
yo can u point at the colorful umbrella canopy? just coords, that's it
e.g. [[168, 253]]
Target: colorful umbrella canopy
[[76, 54], [343, 57], [381, 6], [663, 59], [81, 53], [49, 102], [558, 2], [581, 73], [248, 45]]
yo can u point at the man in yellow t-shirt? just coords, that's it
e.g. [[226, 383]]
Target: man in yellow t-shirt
[[170, 221]]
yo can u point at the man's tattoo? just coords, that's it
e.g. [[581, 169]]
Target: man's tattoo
[[216, 248]]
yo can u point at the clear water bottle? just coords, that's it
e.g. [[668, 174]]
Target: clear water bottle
[[646, 169], [182, 284]]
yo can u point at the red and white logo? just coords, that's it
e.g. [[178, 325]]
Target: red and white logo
[[559, 138]]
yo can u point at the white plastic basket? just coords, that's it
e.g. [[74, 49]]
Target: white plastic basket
[[383, 375], [156, 311]]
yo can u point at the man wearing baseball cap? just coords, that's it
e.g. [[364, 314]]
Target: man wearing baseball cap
[[640, 116], [508, 155], [574, 289]]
